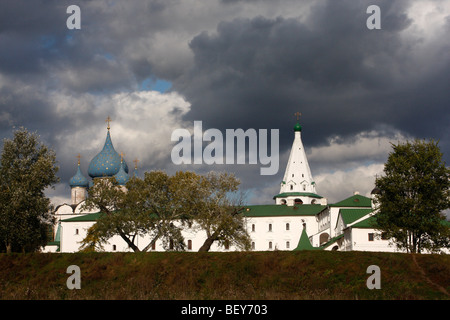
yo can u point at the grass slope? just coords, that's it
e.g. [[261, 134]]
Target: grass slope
[[233, 275]]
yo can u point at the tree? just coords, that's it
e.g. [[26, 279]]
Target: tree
[[414, 192], [27, 168], [160, 206], [149, 207], [220, 213]]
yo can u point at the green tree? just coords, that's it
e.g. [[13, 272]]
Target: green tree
[[220, 211], [159, 206], [414, 192], [151, 207], [27, 168]]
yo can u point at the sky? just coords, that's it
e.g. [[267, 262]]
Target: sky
[[157, 66]]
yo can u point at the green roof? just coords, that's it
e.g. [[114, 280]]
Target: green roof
[[331, 241], [368, 223], [84, 218], [304, 194], [351, 215], [354, 201], [304, 243], [269, 210]]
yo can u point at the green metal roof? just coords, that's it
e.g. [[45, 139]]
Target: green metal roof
[[86, 217], [368, 223], [354, 201], [351, 215], [273, 210], [304, 243], [304, 194], [331, 241]]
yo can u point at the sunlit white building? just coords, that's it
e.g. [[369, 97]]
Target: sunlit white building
[[300, 219]]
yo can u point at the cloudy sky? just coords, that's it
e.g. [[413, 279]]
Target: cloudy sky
[[155, 66]]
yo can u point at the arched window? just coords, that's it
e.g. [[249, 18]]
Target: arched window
[[270, 244], [324, 237], [283, 202], [270, 227], [287, 226], [253, 227], [298, 201], [189, 244], [114, 247]]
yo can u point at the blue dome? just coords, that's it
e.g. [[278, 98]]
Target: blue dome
[[78, 180], [121, 176], [107, 162]]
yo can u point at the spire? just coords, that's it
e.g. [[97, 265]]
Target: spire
[[304, 243], [298, 185]]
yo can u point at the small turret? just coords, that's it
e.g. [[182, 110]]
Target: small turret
[[79, 185]]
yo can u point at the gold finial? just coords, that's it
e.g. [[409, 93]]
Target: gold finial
[[108, 120], [121, 156], [78, 157], [298, 114], [136, 161]]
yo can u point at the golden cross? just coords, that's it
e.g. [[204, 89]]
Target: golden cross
[[298, 114], [136, 161], [78, 157], [108, 120], [121, 156]]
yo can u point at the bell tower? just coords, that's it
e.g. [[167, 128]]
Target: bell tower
[[298, 185]]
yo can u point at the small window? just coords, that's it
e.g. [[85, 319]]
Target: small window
[[283, 202], [288, 245], [287, 226], [76, 231], [189, 244], [114, 247], [270, 244], [304, 187], [292, 187], [292, 175], [253, 245], [253, 227], [270, 227], [303, 175], [370, 236], [171, 244]]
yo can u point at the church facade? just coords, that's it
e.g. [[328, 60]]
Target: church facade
[[299, 218]]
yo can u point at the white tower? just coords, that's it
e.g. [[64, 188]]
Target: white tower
[[298, 186]]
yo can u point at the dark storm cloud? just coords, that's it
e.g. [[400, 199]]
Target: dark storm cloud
[[240, 64], [344, 78]]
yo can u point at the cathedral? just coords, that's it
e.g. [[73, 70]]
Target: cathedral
[[299, 218]]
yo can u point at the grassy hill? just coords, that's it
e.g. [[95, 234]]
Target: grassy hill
[[235, 275]]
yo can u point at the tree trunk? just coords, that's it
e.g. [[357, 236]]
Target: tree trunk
[[207, 244], [130, 243], [150, 244]]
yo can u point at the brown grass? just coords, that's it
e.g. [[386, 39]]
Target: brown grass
[[228, 276]]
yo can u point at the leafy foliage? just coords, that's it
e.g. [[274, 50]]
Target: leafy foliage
[[159, 206], [27, 167], [413, 193]]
